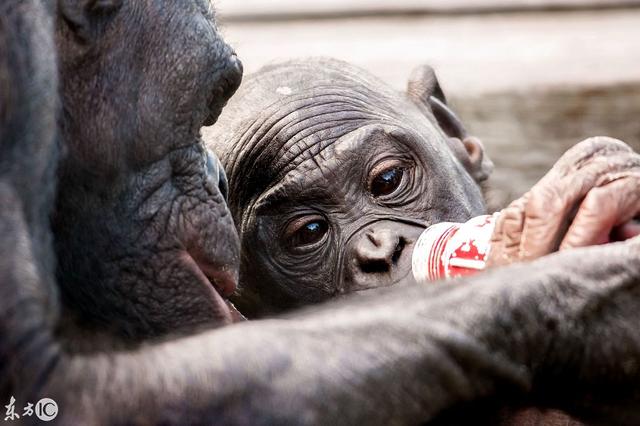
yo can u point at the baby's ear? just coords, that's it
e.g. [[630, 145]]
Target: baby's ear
[[424, 90]]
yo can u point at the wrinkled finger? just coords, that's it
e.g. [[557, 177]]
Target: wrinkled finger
[[552, 203], [599, 150], [494, 258], [602, 209], [513, 228], [505, 234], [581, 153]]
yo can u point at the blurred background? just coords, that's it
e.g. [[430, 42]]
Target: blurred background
[[529, 77]]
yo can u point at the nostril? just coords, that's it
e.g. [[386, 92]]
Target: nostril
[[227, 81], [373, 239], [380, 260], [236, 65], [375, 266], [397, 252], [233, 75]]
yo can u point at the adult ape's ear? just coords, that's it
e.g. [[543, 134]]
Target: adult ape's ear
[[424, 90], [80, 15]]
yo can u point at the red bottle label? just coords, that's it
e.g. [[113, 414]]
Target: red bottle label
[[447, 250]]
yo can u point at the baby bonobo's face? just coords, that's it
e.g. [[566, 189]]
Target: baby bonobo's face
[[346, 218], [333, 176]]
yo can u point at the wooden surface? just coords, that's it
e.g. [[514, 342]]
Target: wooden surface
[[472, 54], [287, 9]]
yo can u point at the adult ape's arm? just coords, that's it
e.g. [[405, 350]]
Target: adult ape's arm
[[402, 358], [556, 332]]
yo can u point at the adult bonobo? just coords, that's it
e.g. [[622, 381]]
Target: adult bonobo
[[139, 212], [333, 176], [557, 332]]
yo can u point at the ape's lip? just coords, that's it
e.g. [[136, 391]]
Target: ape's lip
[[221, 282], [223, 279]]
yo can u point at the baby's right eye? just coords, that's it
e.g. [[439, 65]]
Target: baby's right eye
[[306, 231]]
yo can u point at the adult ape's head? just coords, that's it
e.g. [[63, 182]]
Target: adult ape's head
[[333, 176], [142, 229]]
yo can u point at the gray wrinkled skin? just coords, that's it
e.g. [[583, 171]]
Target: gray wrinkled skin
[[558, 332], [301, 142], [142, 231]]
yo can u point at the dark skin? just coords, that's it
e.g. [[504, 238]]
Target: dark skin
[[140, 196], [333, 177], [411, 356]]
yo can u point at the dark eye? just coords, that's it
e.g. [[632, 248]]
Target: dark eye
[[306, 231], [386, 182]]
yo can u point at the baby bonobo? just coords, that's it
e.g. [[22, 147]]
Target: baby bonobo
[[333, 176]]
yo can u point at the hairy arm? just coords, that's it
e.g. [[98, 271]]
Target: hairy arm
[[559, 332]]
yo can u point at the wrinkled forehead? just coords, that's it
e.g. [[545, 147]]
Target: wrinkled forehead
[[287, 118], [291, 131], [307, 124], [327, 173]]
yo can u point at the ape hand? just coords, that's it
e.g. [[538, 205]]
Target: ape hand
[[589, 197]]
